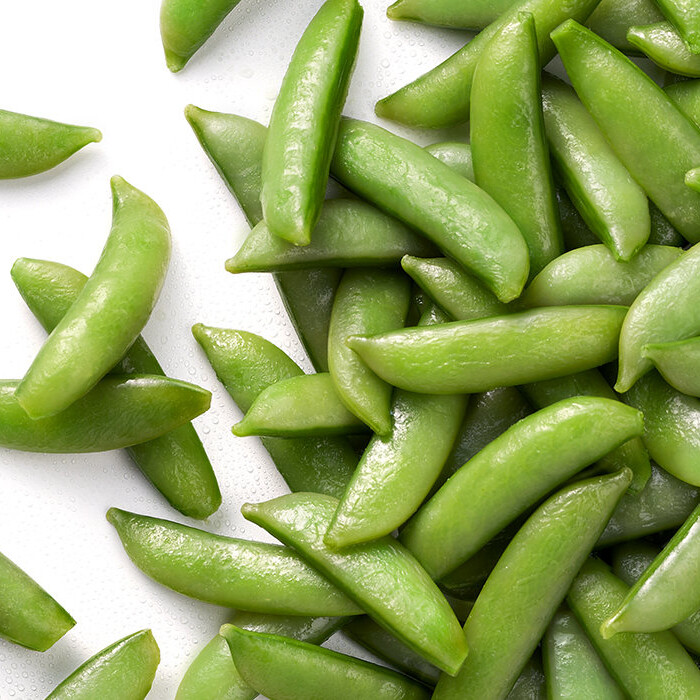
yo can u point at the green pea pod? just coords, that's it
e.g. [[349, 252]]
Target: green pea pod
[[405, 181], [511, 158], [662, 231], [663, 45], [367, 301], [304, 122], [645, 665], [531, 682], [612, 204], [123, 671], [685, 16], [591, 275], [419, 616], [31, 145], [246, 364], [176, 462], [252, 576], [455, 154], [692, 179], [612, 19], [282, 667], [572, 667], [686, 96], [110, 311], [472, 356], [654, 140], [528, 584], [440, 97], [678, 363], [29, 616]]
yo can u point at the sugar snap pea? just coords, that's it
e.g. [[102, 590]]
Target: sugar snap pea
[[612, 19], [479, 355], [123, 671], [252, 576], [528, 584], [678, 363], [685, 16], [663, 45], [110, 311], [420, 616], [686, 95], [511, 474], [456, 154], [531, 683], [461, 219]]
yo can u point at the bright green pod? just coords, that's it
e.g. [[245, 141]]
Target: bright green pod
[[31, 145], [29, 616], [279, 667], [611, 203], [591, 275], [175, 462], [472, 356], [692, 179], [234, 573], [678, 363], [528, 584], [664, 45], [507, 134], [246, 364], [367, 301], [686, 96], [654, 140], [124, 670], [304, 122], [513, 473], [405, 181], [644, 665], [685, 16], [612, 19], [440, 97], [573, 668], [110, 311], [456, 154], [417, 613]]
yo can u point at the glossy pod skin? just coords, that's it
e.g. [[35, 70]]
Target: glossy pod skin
[[531, 683], [527, 585], [663, 45], [242, 574], [110, 310], [123, 671], [304, 121], [456, 154], [678, 363], [175, 462], [246, 364], [420, 616], [479, 355], [685, 16], [654, 140], [281, 667], [405, 181], [686, 96], [644, 665]]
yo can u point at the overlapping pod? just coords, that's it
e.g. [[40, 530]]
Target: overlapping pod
[[685, 16], [663, 45], [678, 363]]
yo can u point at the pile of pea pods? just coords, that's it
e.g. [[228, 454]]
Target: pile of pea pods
[[494, 473]]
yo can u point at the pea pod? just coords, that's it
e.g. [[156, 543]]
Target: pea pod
[[645, 665], [472, 356], [612, 19], [685, 16], [663, 45], [123, 670], [109, 312], [405, 181], [175, 462], [456, 154], [246, 364], [420, 616], [692, 179], [531, 683], [662, 231], [528, 584], [686, 96], [678, 363], [252, 576], [654, 140], [511, 474]]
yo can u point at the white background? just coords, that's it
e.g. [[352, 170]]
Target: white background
[[101, 64]]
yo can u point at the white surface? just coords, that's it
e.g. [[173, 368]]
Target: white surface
[[101, 64]]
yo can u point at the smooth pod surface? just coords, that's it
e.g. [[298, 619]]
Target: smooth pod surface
[[686, 96], [685, 16], [665, 46], [678, 363]]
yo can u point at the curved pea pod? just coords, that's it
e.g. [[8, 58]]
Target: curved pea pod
[[663, 45], [528, 584], [692, 179], [176, 462], [479, 355], [281, 667], [29, 616], [612, 204], [456, 154], [591, 275], [678, 363], [644, 665], [367, 301], [511, 474], [440, 97], [572, 667], [124, 670], [246, 364], [685, 16], [612, 19], [475, 14], [530, 684], [110, 310], [31, 145], [654, 140], [662, 231], [509, 148], [686, 96], [420, 616], [460, 218], [252, 576]]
